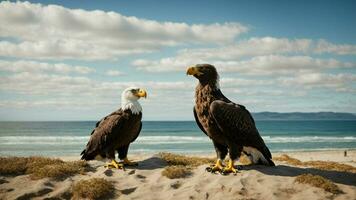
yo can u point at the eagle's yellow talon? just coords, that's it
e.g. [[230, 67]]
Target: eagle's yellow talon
[[129, 163], [230, 168], [217, 167], [114, 164]]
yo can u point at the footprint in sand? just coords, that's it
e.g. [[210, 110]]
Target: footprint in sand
[[140, 176], [108, 172], [176, 185], [35, 194], [128, 191]]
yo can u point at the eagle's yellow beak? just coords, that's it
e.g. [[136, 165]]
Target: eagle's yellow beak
[[193, 71], [141, 93]]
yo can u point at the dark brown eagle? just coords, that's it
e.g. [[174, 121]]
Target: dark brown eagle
[[116, 131], [229, 125]]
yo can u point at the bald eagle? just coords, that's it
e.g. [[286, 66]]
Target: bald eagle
[[229, 125], [116, 131]]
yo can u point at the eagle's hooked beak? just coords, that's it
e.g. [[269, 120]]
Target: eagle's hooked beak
[[141, 93], [193, 71]]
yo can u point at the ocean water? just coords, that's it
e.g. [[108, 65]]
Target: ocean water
[[70, 138]]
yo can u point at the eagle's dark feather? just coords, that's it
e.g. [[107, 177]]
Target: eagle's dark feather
[[198, 123], [229, 125], [114, 132], [236, 123]]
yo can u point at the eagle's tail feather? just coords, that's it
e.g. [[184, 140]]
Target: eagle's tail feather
[[271, 163], [86, 156], [268, 156], [257, 157]]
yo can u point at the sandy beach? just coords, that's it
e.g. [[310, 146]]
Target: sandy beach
[[147, 182]]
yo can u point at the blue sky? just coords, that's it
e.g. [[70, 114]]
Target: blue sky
[[69, 60]]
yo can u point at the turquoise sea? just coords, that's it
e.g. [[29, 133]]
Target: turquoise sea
[[70, 138]]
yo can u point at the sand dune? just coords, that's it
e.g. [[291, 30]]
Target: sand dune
[[147, 182]]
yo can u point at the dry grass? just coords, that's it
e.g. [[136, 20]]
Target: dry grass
[[35, 163], [323, 165], [60, 171], [194, 161], [288, 159], [13, 165], [173, 172], [318, 181], [328, 165], [181, 166], [189, 161], [95, 188], [41, 167]]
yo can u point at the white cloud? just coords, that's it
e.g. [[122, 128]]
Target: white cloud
[[32, 66], [259, 65], [83, 93], [164, 64], [58, 49], [339, 82], [251, 47], [33, 84], [266, 46], [39, 84], [280, 65], [58, 103], [56, 91], [324, 46], [246, 55], [57, 32], [64, 85], [114, 73], [232, 82]]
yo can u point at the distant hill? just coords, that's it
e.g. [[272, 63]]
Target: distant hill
[[303, 116]]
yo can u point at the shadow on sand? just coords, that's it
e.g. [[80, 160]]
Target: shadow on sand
[[150, 164]]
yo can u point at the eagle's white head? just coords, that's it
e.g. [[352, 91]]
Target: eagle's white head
[[130, 97]]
